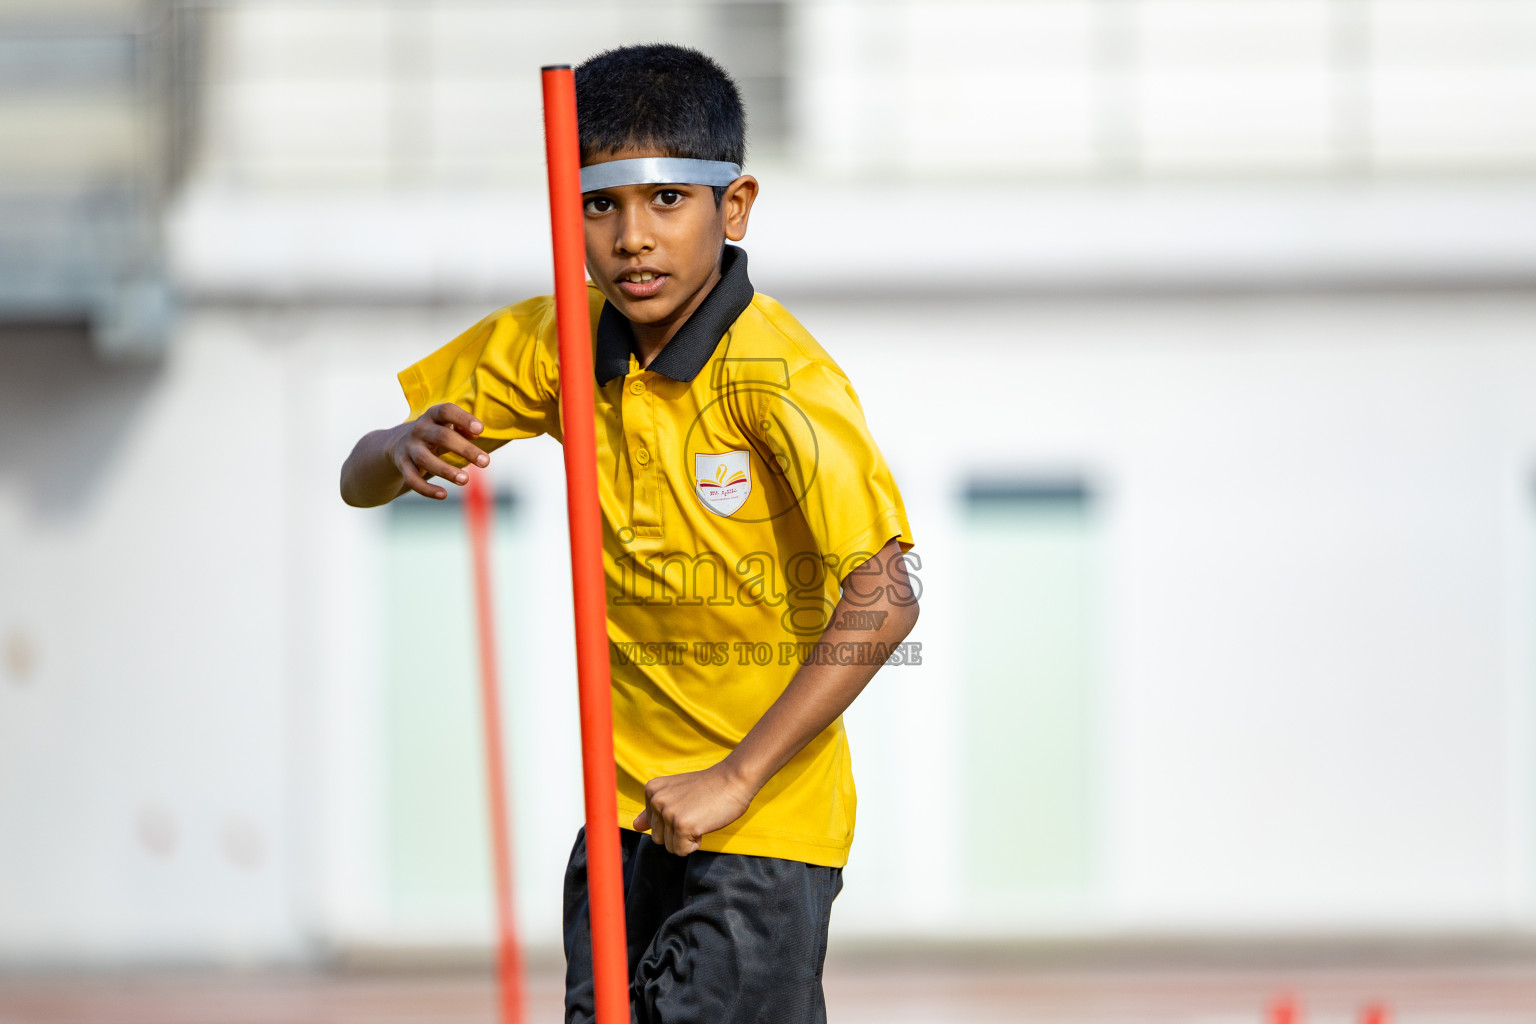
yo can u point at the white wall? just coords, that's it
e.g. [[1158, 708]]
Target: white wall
[[1310, 442], [1316, 517], [145, 728]]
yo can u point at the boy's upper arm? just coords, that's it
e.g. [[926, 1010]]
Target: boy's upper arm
[[818, 438], [502, 370]]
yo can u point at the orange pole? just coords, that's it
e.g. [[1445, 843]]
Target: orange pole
[[605, 887], [509, 958]]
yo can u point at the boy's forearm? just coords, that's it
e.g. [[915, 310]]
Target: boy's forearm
[[820, 691], [369, 477]]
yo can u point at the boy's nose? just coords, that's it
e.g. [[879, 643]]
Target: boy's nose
[[634, 237]]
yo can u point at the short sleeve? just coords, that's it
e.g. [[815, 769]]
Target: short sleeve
[[503, 370], [817, 435]]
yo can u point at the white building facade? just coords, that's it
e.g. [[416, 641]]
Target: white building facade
[[1201, 338]]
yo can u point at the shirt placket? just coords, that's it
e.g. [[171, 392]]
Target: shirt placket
[[638, 406]]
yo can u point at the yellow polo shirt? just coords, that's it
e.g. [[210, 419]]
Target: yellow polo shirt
[[739, 483]]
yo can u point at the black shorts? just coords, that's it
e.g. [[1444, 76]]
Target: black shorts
[[714, 938]]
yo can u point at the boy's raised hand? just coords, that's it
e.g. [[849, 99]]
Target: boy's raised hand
[[416, 449]]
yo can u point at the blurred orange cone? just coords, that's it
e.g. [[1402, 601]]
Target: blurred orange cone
[[1375, 1013]]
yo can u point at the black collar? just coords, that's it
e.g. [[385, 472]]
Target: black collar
[[690, 348]]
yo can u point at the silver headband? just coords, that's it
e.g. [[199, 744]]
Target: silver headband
[[658, 170]]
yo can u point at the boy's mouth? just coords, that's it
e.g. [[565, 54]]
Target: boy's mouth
[[641, 282]]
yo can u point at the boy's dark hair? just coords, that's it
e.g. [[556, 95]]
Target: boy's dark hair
[[659, 96]]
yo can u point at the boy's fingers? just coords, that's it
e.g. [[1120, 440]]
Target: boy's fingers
[[451, 440], [457, 416], [642, 821], [416, 482], [429, 463]]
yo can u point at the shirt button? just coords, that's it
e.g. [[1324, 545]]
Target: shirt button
[[642, 456], [637, 388]]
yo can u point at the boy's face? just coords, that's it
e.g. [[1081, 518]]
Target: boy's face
[[654, 250]]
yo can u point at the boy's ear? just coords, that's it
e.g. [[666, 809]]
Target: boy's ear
[[736, 206]]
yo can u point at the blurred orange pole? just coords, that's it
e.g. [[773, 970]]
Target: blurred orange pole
[[509, 958], [605, 887]]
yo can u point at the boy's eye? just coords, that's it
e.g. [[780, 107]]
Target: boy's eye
[[669, 197], [599, 204]]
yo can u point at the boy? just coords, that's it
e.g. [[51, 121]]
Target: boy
[[752, 542]]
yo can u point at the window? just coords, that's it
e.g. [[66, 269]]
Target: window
[[752, 46], [1029, 614], [438, 839]]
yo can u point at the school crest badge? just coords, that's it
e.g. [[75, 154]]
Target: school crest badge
[[722, 482]]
